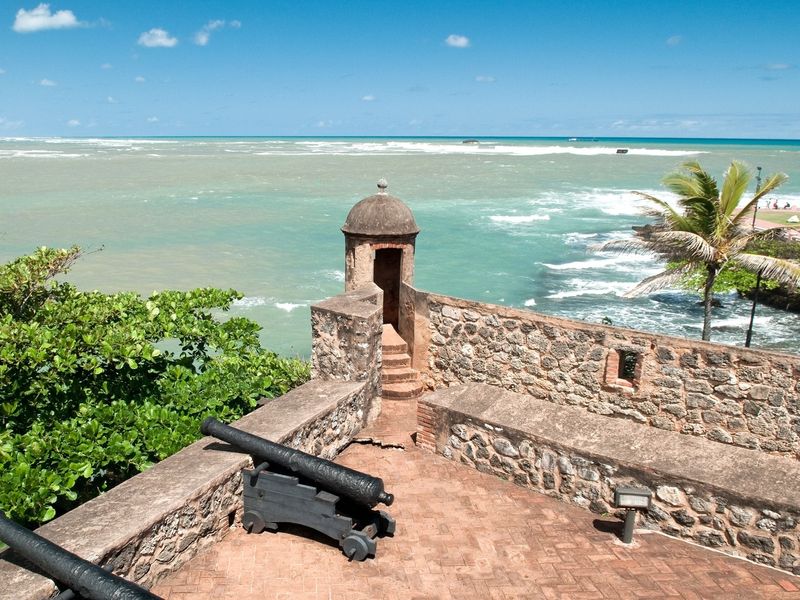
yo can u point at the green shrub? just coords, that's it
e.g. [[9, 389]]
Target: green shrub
[[96, 387]]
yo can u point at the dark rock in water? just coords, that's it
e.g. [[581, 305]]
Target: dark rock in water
[[470, 141], [781, 297]]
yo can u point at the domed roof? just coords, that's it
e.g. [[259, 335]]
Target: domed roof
[[380, 214]]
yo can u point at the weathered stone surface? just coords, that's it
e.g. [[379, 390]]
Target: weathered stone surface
[[565, 467], [504, 447], [461, 431], [710, 538], [740, 516], [756, 542], [669, 494], [682, 517], [699, 505], [678, 382]]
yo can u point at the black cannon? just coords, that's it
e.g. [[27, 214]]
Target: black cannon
[[81, 576], [305, 489]]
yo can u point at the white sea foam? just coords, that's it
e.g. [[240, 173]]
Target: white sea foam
[[741, 322], [378, 148], [583, 287], [530, 302], [334, 274], [615, 262], [249, 302], [516, 219], [288, 306]]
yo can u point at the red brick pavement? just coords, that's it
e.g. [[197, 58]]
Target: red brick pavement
[[464, 534]]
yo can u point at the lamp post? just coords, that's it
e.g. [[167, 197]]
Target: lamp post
[[632, 500], [749, 335], [758, 187]]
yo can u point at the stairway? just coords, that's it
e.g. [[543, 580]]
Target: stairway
[[400, 381]]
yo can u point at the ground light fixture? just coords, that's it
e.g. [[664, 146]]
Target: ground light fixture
[[632, 500]]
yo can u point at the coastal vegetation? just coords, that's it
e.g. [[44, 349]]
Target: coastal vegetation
[[708, 239], [96, 387]]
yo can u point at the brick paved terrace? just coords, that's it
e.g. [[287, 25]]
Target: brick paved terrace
[[466, 534]]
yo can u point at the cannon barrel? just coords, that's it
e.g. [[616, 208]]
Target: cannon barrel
[[81, 576], [354, 485]]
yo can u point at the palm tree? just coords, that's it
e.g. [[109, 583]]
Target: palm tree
[[709, 232]]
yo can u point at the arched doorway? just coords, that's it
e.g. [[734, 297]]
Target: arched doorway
[[387, 275]]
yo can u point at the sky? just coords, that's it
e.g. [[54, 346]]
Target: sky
[[414, 68]]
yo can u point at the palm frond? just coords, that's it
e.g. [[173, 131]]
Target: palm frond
[[707, 184], [772, 182], [683, 184], [685, 244], [737, 177], [779, 269], [659, 281], [633, 245], [664, 212]]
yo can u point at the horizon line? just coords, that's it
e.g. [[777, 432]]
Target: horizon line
[[573, 138]]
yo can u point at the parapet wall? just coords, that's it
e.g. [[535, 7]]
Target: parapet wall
[[737, 396], [740, 501], [154, 522], [346, 338]]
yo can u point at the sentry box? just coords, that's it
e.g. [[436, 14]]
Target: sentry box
[[631, 499]]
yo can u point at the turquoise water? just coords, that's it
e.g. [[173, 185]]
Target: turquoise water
[[509, 221]]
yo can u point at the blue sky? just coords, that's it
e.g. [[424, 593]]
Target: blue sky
[[683, 69]]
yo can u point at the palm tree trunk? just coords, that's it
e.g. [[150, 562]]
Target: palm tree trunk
[[708, 296]]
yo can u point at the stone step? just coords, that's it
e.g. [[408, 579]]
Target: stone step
[[402, 390], [391, 342], [396, 361], [398, 375]]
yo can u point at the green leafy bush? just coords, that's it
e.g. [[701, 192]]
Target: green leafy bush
[[96, 387]]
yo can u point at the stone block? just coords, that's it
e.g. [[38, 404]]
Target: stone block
[[740, 517], [505, 447], [756, 542], [670, 495]]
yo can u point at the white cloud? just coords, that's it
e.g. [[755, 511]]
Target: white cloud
[[6, 124], [674, 40], [111, 100], [2, 71], [157, 38], [40, 19], [139, 79], [48, 83], [201, 37], [106, 66], [778, 67], [457, 41], [485, 78], [73, 123], [152, 119], [368, 98]]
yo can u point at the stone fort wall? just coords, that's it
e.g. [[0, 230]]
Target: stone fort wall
[[744, 397]]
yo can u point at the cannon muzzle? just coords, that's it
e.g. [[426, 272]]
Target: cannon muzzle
[[79, 575], [349, 483]]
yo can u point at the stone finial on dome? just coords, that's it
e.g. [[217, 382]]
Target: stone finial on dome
[[382, 185]]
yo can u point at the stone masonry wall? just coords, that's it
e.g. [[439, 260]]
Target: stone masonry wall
[[206, 519], [346, 338], [731, 395], [686, 510], [151, 524]]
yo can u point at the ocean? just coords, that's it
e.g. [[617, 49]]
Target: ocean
[[510, 221]]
